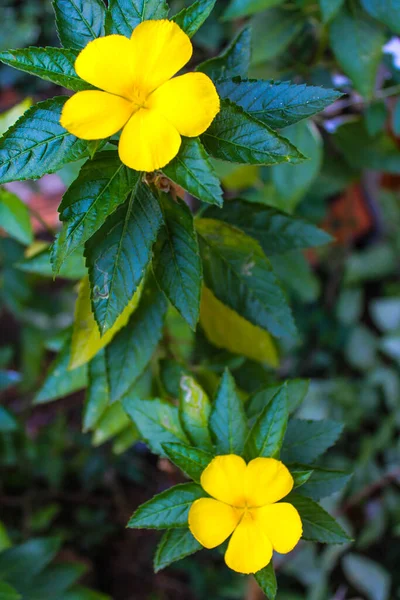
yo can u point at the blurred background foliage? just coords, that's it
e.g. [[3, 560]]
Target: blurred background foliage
[[65, 496]]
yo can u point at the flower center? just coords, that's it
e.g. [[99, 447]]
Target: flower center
[[138, 98]]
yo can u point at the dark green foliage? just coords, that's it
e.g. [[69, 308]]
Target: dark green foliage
[[228, 422], [79, 21], [124, 15]]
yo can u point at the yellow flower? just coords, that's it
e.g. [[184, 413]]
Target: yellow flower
[[139, 95], [245, 503]]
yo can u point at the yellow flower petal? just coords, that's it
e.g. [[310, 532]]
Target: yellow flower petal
[[93, 115], [108, 63], [249, 548], [161, 49], [267, 481], [282, 525], [212, 522], [148, 141], [224, 479], [190, 102]]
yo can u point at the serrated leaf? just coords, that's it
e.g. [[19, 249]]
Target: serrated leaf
[[97, 395], [124, 15], [191, 461], [170, 509], [15, 218], [300, 476], [386, 11], [86, 338], [233, 61], [276, 232], [59, 381], [323, 483], [305, 441], [177, 266], [119, 253], [25, 561], [228, 423], [131, 350], [330, 9], [193, 171], [174, 545], [357, 43], [101, 186], [157, 421], [79, 21], [225, 328], [318, 525], [266, 579], [280, 27], [194, 412], [266, 437], [276, 103], [239, 275], [236, 136], [245, 8], [190, 19], [37, 144], [51, 64]]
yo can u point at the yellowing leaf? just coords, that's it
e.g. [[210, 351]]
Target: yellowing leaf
[[226, 329], [86, 340]]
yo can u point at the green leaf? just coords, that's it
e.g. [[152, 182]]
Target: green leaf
[[292, 182], [132, 348], [323, 483], [235, 136], [386, 11], [224, 328], [8, 593], [300, 476], [280, 27], [330, 9], [191, 461], [56, 578], [245, 8], [297, 275], [79, 21], [59, 381], [194, 412], [40, 264], [276, 232], [305, 441], [233, 61], [228, 423], [240, 276], [193, 171], [318, 525], [157, 421], [37, 144], [52, 64], [119, 253], [177, 267], [266, 579], [276, 103], [7, 421], [103, 183], [376, 115], [15, 218], [23, 562], [367, 576], [396, 119], [124, 15], [357, 43], [174, 545], [266, 437], [97, 396], [112, 422], [170, 509], [190, 19], [297, 390]]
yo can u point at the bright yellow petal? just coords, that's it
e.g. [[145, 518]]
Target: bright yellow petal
[[108, 63], [93, 115], [212, 522], [190, 102], [161, 49], [224, 479], [282, 525], [267, 481], [249, 548], [148, 141]]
